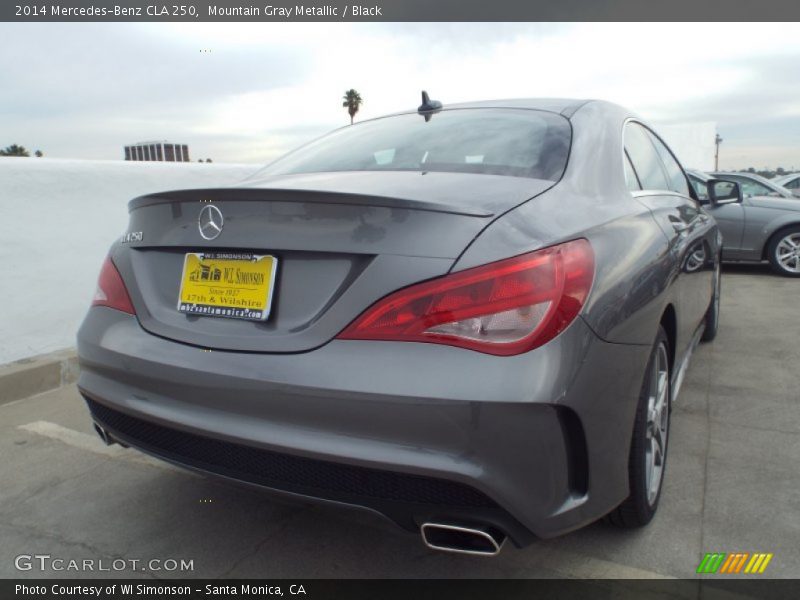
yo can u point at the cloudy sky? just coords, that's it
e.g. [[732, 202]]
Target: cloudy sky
[[251, 91]]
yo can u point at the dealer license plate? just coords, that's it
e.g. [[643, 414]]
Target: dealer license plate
[[225, 284]]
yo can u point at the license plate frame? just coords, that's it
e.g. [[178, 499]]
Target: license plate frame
[[213, 284]]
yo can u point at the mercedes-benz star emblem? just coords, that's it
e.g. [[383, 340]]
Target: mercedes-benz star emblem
[[210, 222]]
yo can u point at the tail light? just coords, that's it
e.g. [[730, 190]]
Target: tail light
[[503, 308], [111, 290]]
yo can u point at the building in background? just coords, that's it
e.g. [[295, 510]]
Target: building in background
[[164, 151]]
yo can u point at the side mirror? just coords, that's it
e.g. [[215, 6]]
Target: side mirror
[[724, 192]]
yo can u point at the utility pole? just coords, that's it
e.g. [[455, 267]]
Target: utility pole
[[717, 142]]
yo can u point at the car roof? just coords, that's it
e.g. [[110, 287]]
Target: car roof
[[563, 106], [753, 176], [787, 177]]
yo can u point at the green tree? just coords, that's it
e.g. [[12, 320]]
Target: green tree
[[352, 102], [14, 150], [38, 154]]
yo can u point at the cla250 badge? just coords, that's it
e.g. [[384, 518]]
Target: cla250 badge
[[133, 236]]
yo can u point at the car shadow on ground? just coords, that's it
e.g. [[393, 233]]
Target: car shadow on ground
[[757, 269]]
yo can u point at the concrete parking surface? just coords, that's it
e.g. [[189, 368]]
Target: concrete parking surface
[[731, 486]]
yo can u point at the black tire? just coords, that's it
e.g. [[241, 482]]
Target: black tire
[[640, 506], [773, 256], [712, 314]]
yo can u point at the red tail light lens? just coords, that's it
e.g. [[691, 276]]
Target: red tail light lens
[[503, 308], [111, 290]]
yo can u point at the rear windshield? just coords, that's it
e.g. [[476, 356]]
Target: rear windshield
[[515, 142]]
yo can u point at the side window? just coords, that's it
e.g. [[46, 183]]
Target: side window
[[644, 158], [677, 180], [750, 187], [793, 184], [753, 188], [630, 175]]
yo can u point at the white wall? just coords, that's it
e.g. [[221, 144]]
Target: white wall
[[57, 221], [693, 143]]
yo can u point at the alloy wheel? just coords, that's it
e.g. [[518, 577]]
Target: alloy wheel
[[787, 253], [657, 428]]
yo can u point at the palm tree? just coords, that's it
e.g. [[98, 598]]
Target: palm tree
[[14, 150], [352, 102]]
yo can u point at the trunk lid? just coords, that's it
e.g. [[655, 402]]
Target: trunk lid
[[342, 241]]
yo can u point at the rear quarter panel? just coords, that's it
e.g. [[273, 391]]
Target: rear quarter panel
[[634, 270]]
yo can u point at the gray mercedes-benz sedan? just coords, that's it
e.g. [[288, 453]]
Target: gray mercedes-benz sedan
[[472, 319]]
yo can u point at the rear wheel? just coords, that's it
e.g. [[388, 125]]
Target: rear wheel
[[783, 252], [648, 455]]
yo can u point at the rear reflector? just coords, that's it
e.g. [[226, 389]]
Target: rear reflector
[[111, 290], [504, 308]]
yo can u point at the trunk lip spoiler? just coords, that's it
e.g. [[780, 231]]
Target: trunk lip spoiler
[[299, 195]]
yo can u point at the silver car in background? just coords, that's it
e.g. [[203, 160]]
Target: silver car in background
[[764, 225], [755, 185], [472, 319], [791, 182]]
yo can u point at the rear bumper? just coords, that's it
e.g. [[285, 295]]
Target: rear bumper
[[536, 445]]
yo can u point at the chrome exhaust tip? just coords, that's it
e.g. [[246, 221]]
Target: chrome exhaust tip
[[106, 437], [477, 541]]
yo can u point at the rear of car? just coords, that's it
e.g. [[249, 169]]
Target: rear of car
[[312, 331]]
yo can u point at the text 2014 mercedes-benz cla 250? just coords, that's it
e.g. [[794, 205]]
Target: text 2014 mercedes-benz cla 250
[[472, 319]]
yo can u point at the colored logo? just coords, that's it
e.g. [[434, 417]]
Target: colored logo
[[735, 563]]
